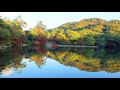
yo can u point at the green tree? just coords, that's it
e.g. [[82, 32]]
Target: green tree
[[89, 40]]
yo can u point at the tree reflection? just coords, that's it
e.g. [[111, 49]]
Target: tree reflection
[[91, 60], [11, 59], [87, 59]]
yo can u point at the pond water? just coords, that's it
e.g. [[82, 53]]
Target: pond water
[[40, 62]]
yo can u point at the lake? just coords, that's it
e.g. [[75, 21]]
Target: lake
[[40, 62]]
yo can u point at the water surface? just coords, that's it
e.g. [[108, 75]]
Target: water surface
[[40, 62]]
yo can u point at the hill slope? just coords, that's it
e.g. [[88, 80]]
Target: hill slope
[[87, 32]]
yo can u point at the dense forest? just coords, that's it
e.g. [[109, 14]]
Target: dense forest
[[90, 32], [11, 32], [93, 31]]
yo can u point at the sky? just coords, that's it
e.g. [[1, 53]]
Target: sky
[[55, 19]]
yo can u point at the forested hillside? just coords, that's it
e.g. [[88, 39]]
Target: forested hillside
[[87, 32], [90, 32]]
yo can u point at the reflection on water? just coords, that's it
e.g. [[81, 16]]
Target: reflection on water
[[85, 59], [7, 71]]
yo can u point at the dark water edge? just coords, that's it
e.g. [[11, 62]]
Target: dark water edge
[[82, 59]]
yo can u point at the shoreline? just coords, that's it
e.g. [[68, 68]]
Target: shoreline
[[49, 45], [76, 46]]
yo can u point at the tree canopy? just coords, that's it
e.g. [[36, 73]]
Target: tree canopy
[[92, 31]]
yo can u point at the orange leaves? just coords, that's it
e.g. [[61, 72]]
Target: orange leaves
[[36, 58], [48, 53], [37, 42], [17, 40]]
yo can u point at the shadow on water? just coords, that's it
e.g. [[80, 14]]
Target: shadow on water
[[87, 59]]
